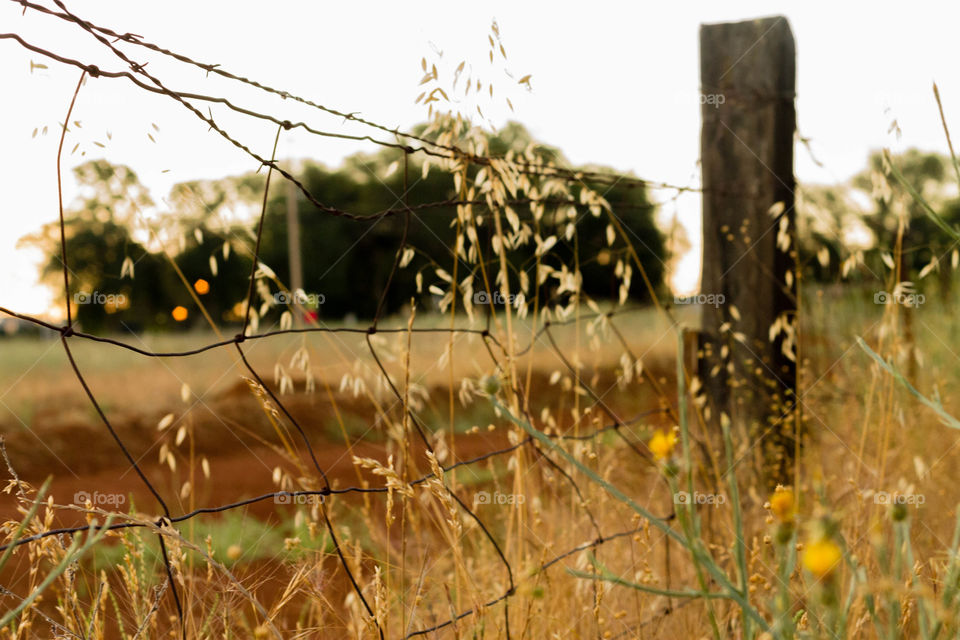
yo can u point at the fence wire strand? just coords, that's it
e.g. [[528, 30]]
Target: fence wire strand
[[143, 79]]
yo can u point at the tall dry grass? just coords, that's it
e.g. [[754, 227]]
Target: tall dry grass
[[652, 529]]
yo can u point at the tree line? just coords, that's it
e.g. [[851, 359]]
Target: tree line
[[131, 273]]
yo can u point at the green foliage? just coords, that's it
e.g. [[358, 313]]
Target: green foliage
[[343, 257], [120, 279], [922, 173], [832, 226], [228, 284], [129, 283], [99, 243]]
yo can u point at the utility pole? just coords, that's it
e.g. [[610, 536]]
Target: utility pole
[[293, 249]]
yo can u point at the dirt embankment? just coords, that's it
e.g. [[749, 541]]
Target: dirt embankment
[[232, 431]]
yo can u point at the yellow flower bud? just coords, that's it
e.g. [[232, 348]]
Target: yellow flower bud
[[783, 504], [822, 557], [662, 444]]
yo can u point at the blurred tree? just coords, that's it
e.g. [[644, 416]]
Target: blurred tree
[[945, 250], [837, 221], [349, 263], [923, 242], [346, 263], [830, 227], [218, 275], [210, 218], [116, 284]]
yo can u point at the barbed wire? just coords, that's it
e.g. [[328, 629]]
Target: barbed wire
[[428, 146], [522, 167], [68, 332]]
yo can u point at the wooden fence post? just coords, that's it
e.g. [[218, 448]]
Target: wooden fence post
[[748, 343]]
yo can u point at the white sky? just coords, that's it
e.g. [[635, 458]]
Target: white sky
[[613, 83]]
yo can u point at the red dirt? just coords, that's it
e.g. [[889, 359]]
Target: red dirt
[[233, 433]]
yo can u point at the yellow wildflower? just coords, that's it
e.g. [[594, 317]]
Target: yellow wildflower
[[662, 444], [822, 557], [782, 504]]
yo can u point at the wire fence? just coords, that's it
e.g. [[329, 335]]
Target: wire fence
[[500, 354]]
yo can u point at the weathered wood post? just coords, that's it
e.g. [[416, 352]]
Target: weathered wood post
[[748, 342]]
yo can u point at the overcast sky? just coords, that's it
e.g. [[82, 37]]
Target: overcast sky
[[612, 83]]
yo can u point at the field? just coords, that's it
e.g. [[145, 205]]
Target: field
[[426, 560], [526, 435], [50, 428]]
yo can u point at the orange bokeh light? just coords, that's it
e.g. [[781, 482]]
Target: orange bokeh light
[[179, 313], [201, 286]]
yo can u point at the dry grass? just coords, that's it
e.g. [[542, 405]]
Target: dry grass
[[430, 559], [577, 537]]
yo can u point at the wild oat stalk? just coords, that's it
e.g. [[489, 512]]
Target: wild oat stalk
[[78, 547], [687, 539]]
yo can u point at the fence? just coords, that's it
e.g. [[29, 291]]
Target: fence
[[532, 172]]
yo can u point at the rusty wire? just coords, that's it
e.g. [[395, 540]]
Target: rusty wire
[[68, 332]]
